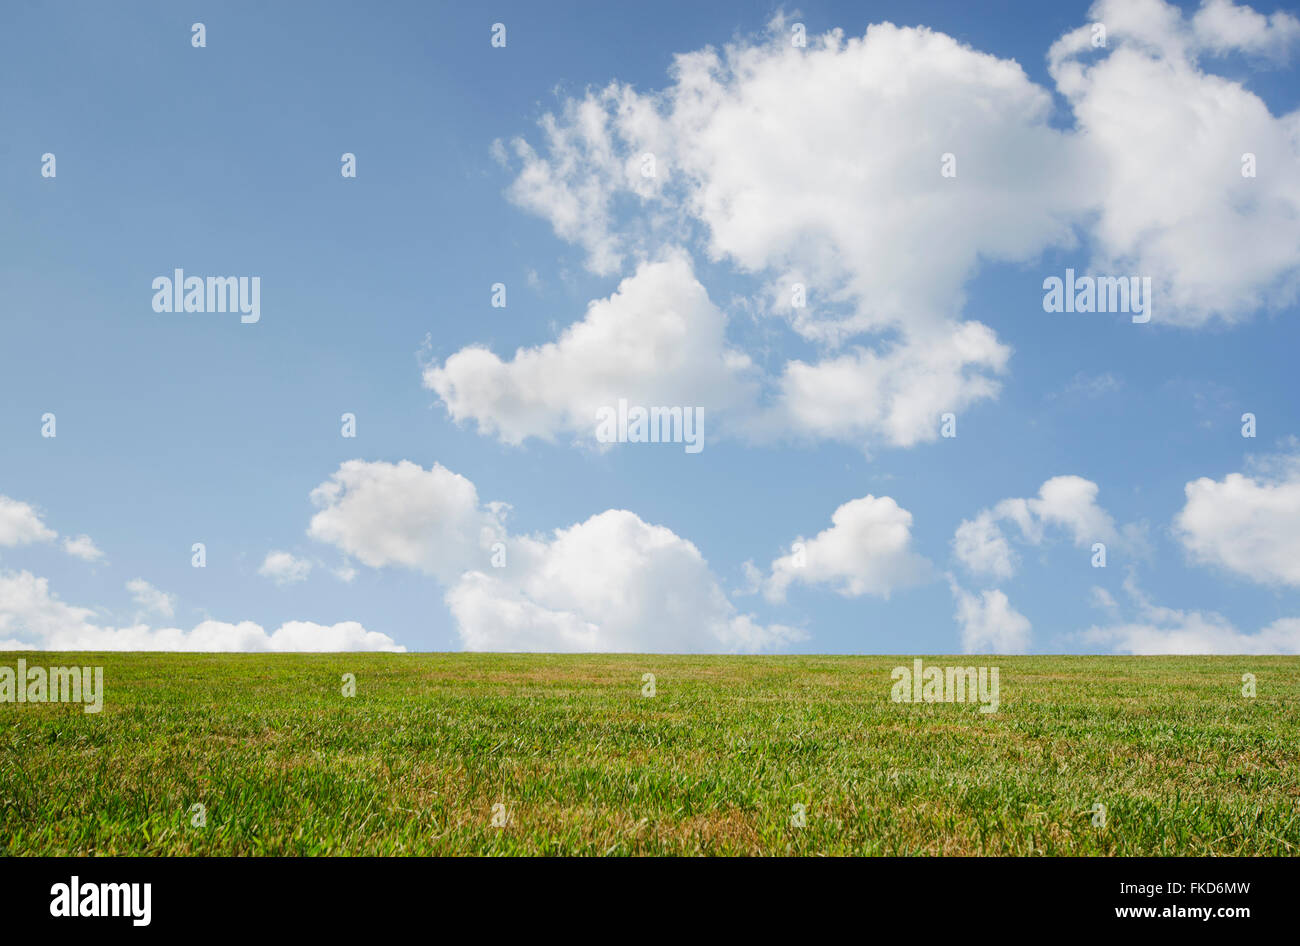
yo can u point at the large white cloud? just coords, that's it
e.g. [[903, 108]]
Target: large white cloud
[[822, 162], [1248, 524], [657, 341], [1168, 138], [1065, 502], [826, 161], [30, 614], [893, 394], [401, 514], [866, 551], [610, 583]]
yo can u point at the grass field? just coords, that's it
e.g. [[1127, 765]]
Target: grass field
[[283, 763]]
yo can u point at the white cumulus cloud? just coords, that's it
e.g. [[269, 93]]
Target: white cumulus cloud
[[401, 514], [755, 142], [866, 551], [1248, 524], [1168, 139], [611, 583], [657, 341]]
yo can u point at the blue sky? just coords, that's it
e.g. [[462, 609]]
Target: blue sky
[[818, 164]]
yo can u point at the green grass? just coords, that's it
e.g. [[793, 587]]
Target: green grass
[[584, 764]]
